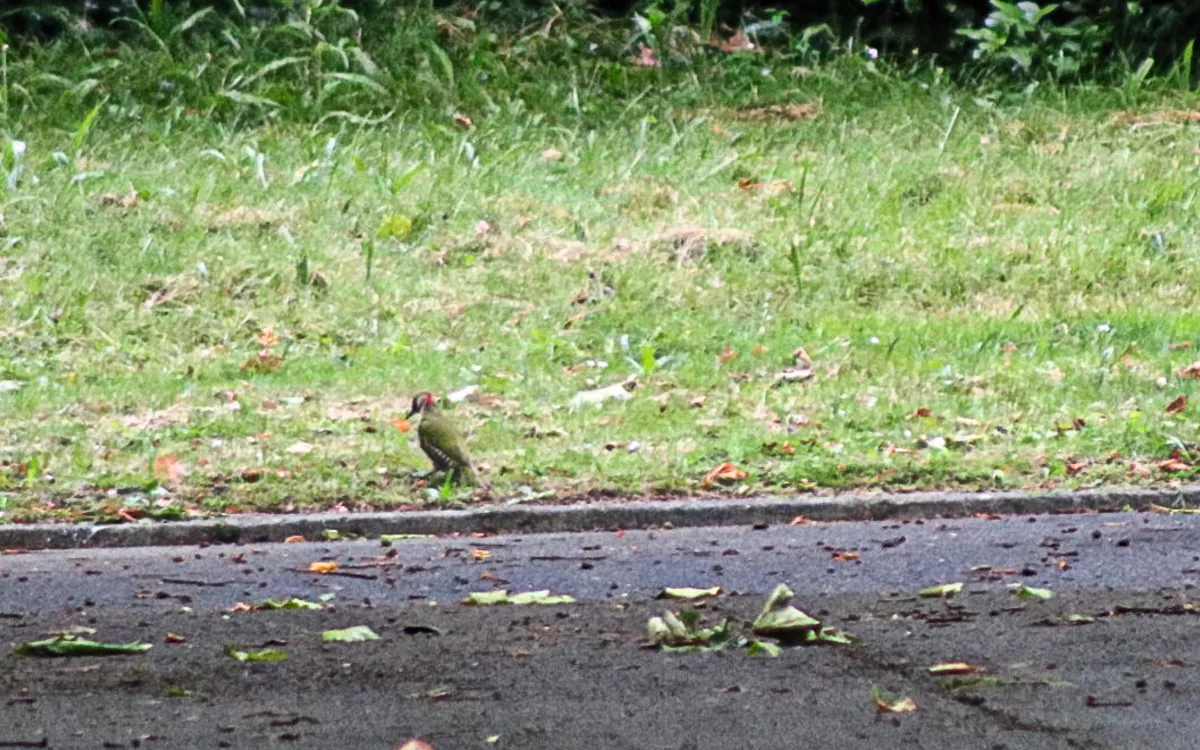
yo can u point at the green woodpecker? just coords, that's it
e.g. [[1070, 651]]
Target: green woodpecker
[[442, 442]]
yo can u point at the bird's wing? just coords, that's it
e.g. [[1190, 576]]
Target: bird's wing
[[444, 458]]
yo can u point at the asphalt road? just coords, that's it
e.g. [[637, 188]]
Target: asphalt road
[[577, 676]]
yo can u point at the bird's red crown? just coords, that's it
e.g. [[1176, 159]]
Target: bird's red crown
[[421, 401]]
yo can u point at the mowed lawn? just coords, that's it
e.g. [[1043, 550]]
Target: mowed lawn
[[868, 284]]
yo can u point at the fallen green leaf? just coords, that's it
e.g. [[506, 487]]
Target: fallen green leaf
[[682, 632], [688, 593], [539, 597], [830, 635], [1028, 592], [486, 597], [952, 668], [265, 654], [762, 648], [66, 645], [943, 591], [292, 603], [353, 634], [779, 619], [528, 597]]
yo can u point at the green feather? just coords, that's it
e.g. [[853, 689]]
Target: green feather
[[443, 444]]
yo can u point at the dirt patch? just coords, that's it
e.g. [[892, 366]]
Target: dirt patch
[[779, 112], [691, 243]]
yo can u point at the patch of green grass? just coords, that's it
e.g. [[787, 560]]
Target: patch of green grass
[[990, 293]]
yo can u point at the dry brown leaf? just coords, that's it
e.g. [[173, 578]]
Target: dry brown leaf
[[739, 42], [726, 473], [1191, 372], [846, 556], [322, 567], [268, 337], [727, 354], [1075, 468], [463, 121], [923, 412], [1139, 469], [1177, 405], [1173, 465], [169, 468], [262, 363], [294, 539]]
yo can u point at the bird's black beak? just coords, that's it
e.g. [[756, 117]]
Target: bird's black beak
[[411, 412]]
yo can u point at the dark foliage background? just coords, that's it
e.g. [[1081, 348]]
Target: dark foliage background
[[1073, 37]]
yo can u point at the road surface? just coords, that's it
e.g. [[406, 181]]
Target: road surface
[[575, 676]]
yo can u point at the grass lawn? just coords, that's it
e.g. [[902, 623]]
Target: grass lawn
[[833, 278]]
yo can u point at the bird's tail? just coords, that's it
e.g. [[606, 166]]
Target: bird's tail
[[470, 475]]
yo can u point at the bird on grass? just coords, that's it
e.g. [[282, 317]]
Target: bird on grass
[[442, 442]]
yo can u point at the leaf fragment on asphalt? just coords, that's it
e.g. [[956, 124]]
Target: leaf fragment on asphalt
[[947, 669], [942, 591], [528, 597], [1028, 592], [779, 619], [763, 648], [540, 597], [322, 567], [683, 632], [898, 706], [688, 593], [354, 634], [67, 645], [291, 603], [262, 654], [389, 538], [415, 744]]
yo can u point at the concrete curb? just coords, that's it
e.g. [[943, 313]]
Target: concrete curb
[[254, 529]]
